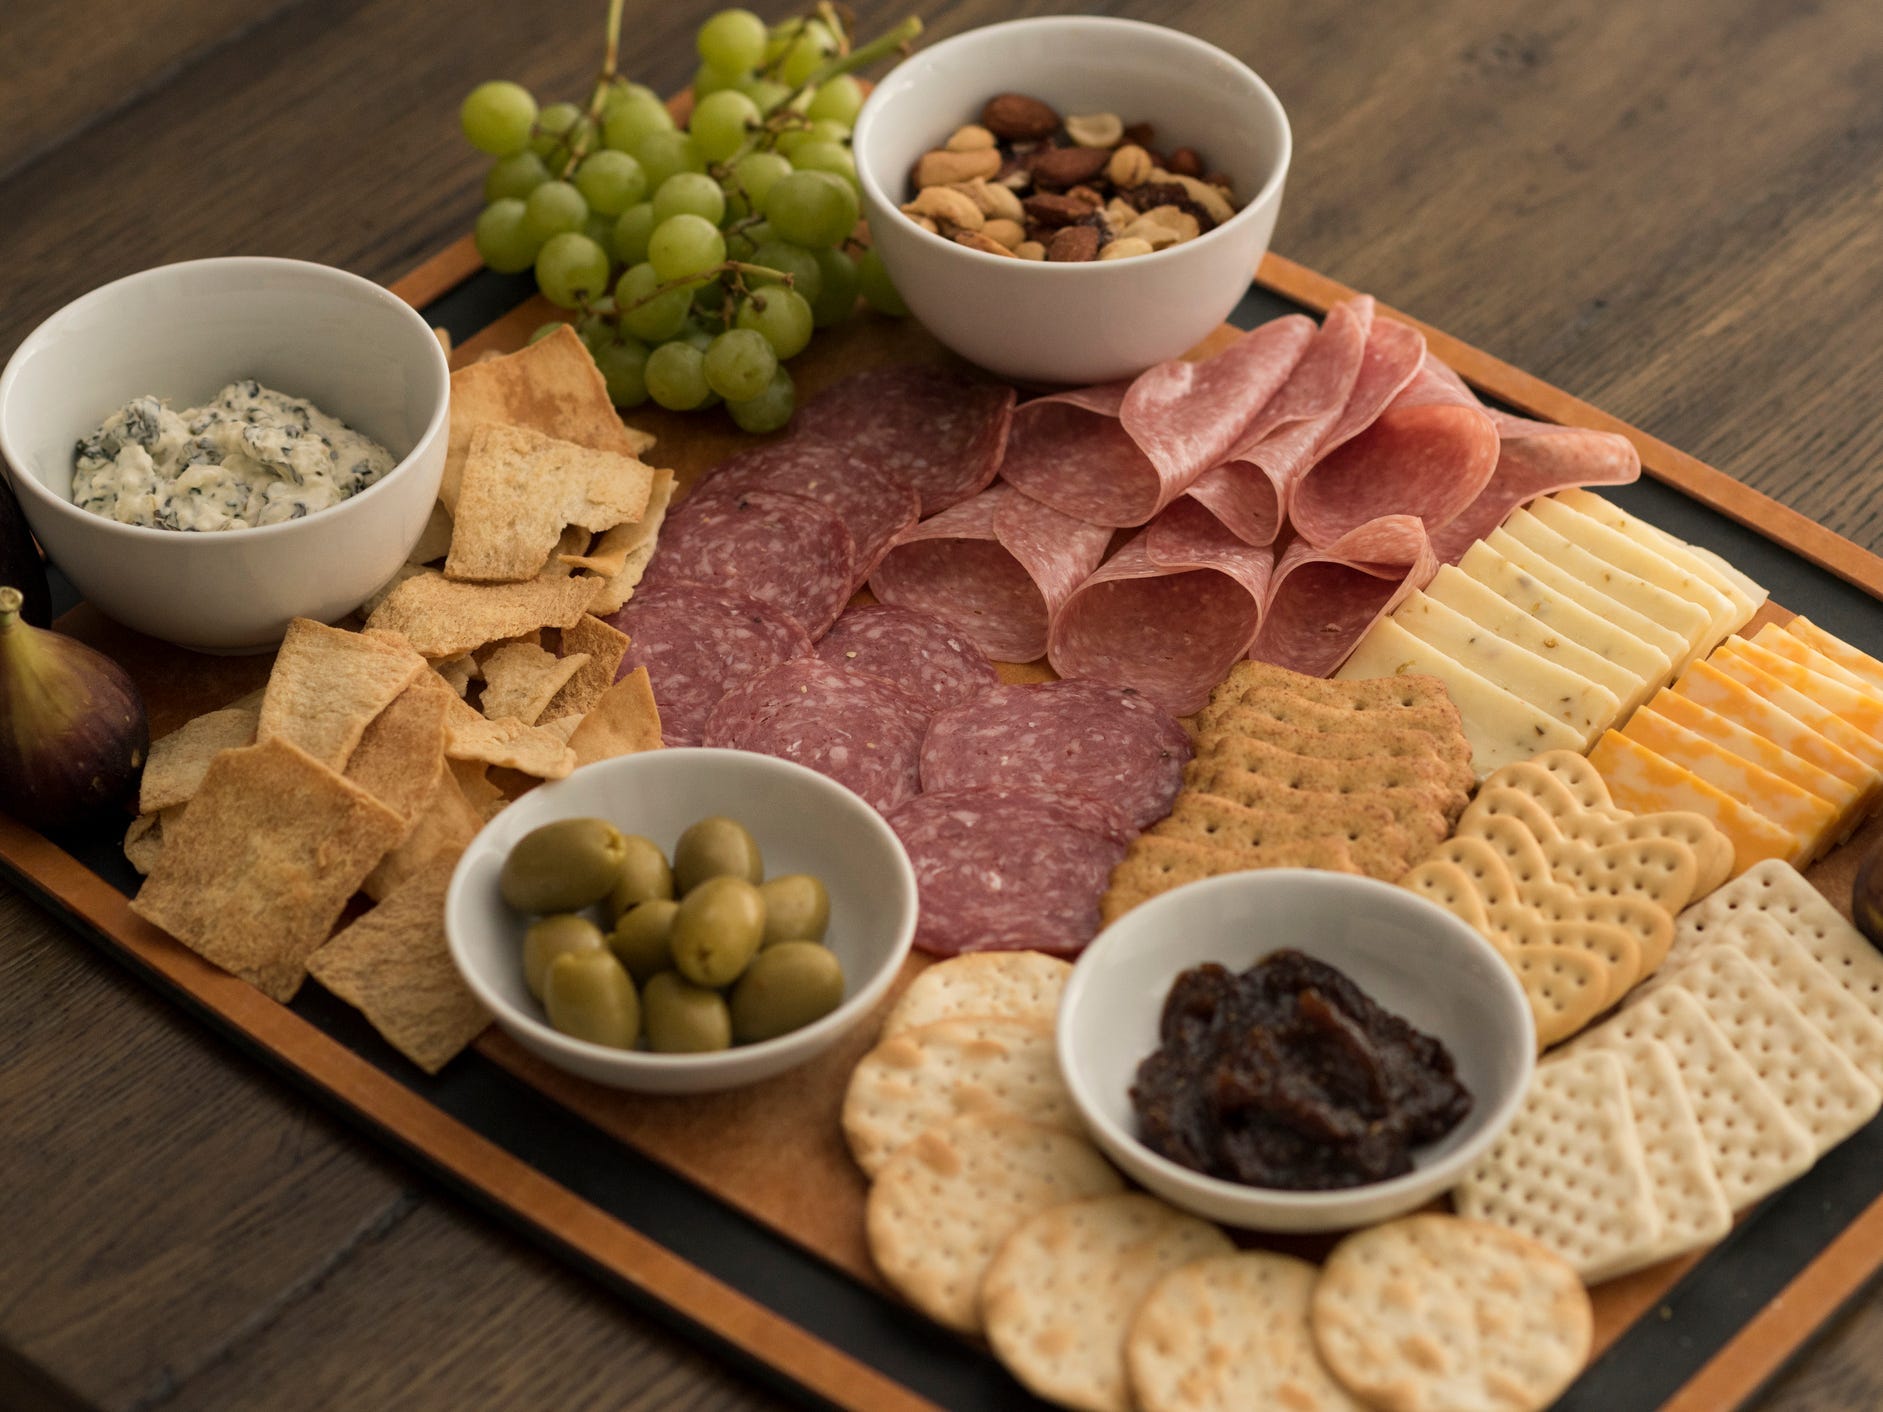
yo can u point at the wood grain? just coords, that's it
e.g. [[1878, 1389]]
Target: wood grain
[[1671, 211]]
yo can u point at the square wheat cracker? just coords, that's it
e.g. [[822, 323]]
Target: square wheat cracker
[[1374, 839]]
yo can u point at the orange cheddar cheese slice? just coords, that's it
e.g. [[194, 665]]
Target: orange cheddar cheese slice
[[1858, 664], [1862, 710], [1808, 819], [1795, 649], [1644, 782], [1793, 702]]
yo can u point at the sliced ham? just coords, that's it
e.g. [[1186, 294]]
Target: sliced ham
[[1323, 600], [996, 568], [1533, 459]]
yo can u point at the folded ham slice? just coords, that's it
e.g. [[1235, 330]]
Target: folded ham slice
[[1322, 601]]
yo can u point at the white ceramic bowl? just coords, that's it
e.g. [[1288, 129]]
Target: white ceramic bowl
[[1410, 955], [183, 332], [803, 822], [1075, 323]]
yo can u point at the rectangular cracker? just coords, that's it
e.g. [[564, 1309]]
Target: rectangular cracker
[[1423, 772], [328, 684], [621, 555], [1329, 811], [178, 761], [1687, 1192], [1378, 846], [401, 752], [1154, 865], [509, 743], [625, 721], [1338, 737]]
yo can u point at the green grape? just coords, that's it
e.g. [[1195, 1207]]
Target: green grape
[[837, 100], [822, 130], [544, 330], [812, 208], [571, 267], [739, 245], [690, 193], [514, 176], [826, 157], [720, 122], [626, 122], [601, 230], [767, 93], [756, 173], [771, 409], [685, 245], [783, 316], [733, 40], [664, 154], [759, 232], [676, 376], [739, 364], [873, 282], [709, 298], [552, 208], [496, 117], [622, 91], [560, 129], [623, 365], [801, 264], [610, 181], [596, 326], [708, 80], [661, 316], [632, 228], [503, 242], [807, 53], [837, 299], [696, 335]]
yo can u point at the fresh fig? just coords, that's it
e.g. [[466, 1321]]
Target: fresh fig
[[73, 734], [1866, 895], [20, 564]]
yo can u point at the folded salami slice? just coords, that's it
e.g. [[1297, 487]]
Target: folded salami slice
[[1324, 600], [1536, 458], [942, 431], [698, 642], [995, 568], [857, 729], [875, 504], [784, 550], [1116, 455], [1007, 869], [917, 651], [1075, 737], [1428, 454], [1169, 613]]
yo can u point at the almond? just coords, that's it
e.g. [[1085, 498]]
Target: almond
[[1057, 168], [1018, 118], [1049, 209], [946, 168], [1185, 162], [1073, 245]]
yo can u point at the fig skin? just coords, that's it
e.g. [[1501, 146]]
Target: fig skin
[[73, 733]]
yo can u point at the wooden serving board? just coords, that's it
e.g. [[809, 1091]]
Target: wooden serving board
[[585, 1169]]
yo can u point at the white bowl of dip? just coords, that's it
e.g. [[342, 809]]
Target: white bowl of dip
[[182, 332]]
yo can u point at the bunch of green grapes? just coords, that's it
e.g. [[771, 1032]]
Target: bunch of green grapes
[[697, 260]]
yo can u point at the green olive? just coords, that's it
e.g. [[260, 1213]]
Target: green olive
[[785, 988], [719, 925], [715, 847], [645, 876], [643, 939], [563, 867], [555, 936], [796, 908], [683, 1018], [589, 996]]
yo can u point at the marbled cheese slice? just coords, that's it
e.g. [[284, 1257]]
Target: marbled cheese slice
[[1792, 648], [1745, 595], [1859, 708], [1602, 603], [1793, 702], [1644, 782], [1859, 664], [1501, 727], [1706, 685]]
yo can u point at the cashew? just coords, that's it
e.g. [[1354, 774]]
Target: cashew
[[971, 138], [946, 206], [1124, 248], [1176, 219], [1201, 192], [975, 240], [1119, 214], [976, 191], [1008, 233], [946, 168], [926, 224], [1096, 129], [1030, 250], [1004, 202], [1130, 166], [1150, 231]]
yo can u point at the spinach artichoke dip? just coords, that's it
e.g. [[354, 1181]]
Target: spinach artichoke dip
[[252, 456]]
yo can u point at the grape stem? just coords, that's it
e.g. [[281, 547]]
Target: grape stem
[[735, 267], [598, 98]]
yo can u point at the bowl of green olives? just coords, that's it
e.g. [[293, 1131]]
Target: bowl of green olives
[[682, 921]]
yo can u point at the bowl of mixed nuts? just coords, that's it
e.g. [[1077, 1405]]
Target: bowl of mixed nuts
[[1071, 199]]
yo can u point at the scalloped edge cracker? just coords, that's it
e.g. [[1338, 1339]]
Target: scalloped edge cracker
[[1154, 864], [1024, 984]]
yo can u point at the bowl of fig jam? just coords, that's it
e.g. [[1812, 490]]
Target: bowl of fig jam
[[1291, 1050]]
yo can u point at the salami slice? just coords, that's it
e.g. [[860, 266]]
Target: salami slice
[[1116, 455], [1169, 614], [940, 430], [1536, 458], [1075, 737], [1006, 869], [783, 550], [698, 642], [1324, 600], [995, 568], [919, 652], [875, 504], [1430, 454], [856, 729]]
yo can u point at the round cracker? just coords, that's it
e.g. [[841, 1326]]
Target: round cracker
[[1060, 1296], [1230, 1333], [1018, 983], [1441, 1314], [943, 1204], [922, 1078]]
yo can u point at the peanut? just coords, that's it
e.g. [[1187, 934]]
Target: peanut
[[1008, 233], [1095, 129], [1150, 231], [1176, 219], [1130, 166], [1030, 250], [1124, 248]]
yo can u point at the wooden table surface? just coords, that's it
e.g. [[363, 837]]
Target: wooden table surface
[[1672, 210]]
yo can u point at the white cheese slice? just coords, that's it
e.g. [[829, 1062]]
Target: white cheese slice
[[1651, 564], [1745, 593], [1461, 593], [1501, 727], [1545, 683], [1689, 622], [1661, 638]]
